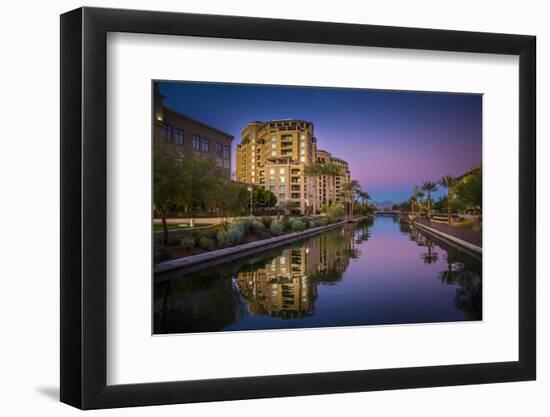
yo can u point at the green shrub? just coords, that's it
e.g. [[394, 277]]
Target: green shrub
[[223, 238], [242, 225], [257, 227], [313, 223], [266, 221], [236, 235], [245, 223], [466, 224], [297, 225], [206, 243], [231, 236], [161, 254], [187, 243], [277, 227], [335, 211], [323, 221], [173, 242]]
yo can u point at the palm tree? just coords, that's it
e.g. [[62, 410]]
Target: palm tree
[[429, 187], [412, 202], [365, 197], [314, 171], [448, 182], [350, 189], [420, 196], [317, 170]]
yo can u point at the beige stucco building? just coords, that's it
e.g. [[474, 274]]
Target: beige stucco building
[[274, 155]]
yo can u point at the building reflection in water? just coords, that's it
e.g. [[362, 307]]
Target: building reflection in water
[[286, 285]]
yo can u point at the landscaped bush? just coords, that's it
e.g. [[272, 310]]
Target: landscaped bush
[[236, 234], [161, 253], [323, 221], [313, 223], [173, 242], [206, 243], [242, 227], [276, 227], [335, 211], [257, 227], [297, 225], [266, 221], [466, 224], [187, 243], [224, 239]]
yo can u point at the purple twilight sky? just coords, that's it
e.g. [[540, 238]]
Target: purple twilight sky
[[391, 139]]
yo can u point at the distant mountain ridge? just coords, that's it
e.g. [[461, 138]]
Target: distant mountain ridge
[[383, 204]]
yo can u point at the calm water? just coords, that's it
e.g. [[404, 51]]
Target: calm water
[[375, 272]]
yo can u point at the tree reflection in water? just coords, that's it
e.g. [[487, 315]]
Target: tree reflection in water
[[463, 270]]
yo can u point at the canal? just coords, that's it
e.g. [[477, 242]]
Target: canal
[[379, 271]]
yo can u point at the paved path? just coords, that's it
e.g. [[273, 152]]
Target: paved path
[[204, 220]]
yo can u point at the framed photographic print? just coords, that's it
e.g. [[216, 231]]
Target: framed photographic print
[[256, 208]]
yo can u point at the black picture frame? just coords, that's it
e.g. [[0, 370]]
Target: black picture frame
[[84, 207]]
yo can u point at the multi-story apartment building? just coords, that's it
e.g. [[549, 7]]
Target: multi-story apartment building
[[190, 135], [274, 155]]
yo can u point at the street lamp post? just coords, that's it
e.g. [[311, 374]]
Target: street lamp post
[[250, 190]]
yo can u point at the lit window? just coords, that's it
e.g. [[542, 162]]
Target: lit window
[[281, 171], [282, 178], [302, 152], [196, 143], [273, 146], [303, 144], [273, 139], [272, 171], [273, 153], [302, 159], [303, 137], [253, 146]]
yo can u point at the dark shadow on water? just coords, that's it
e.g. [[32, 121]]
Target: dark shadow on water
[[50, 392]]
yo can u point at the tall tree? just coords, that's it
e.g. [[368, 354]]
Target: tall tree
[[350, 190], [448, 182], [168, 181], [420, 196], [429, 187], [469, 190]]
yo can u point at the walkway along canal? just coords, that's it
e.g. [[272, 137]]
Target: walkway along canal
[[377, 271]]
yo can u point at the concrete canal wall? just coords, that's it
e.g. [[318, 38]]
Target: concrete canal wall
[[460, 242], [240, 250]]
